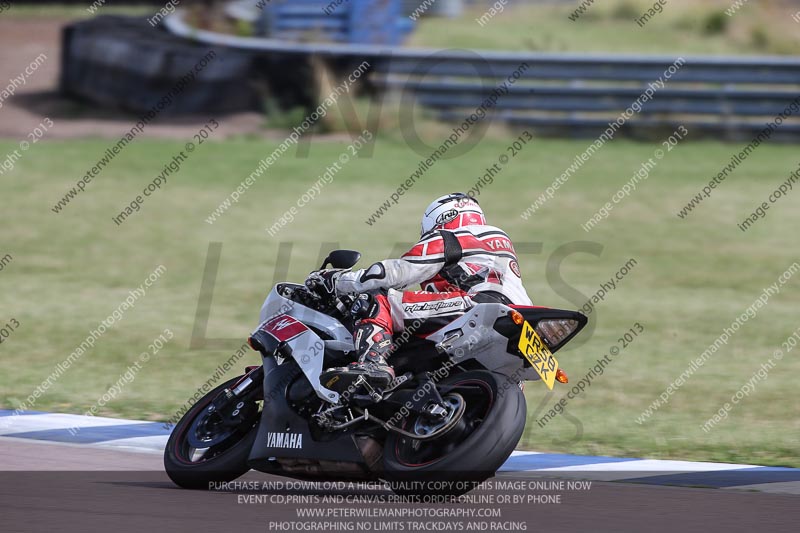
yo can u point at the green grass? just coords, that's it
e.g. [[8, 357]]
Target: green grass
[[684, 27], [76, 11], [71, 270]]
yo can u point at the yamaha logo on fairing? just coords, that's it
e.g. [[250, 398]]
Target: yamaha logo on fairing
[[284, 440], [285, 323]]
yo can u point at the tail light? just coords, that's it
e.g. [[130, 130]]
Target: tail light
[[554, 326], [553, 331]]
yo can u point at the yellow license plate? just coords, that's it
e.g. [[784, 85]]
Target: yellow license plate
[[538, 355]]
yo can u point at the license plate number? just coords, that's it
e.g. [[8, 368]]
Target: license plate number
[[538, 355]]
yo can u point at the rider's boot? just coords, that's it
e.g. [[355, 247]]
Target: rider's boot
[[373, 345]]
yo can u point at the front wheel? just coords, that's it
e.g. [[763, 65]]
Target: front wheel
[[490, 428], [212, 443]]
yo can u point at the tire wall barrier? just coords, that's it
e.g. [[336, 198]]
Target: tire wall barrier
[[124, 63]]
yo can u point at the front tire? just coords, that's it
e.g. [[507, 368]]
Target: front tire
[[226, 457], [470, 453]]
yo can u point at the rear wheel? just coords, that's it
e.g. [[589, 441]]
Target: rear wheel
[[212, 444], [472, 451]]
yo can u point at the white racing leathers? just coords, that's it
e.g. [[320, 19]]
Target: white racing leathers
[[455, 268]]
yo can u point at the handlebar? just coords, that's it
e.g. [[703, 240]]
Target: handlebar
[[321, 301]]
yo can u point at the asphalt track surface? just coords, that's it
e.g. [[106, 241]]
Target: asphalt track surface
[[61, 487]]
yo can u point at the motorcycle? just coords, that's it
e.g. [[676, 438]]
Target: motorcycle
[[453, 415]]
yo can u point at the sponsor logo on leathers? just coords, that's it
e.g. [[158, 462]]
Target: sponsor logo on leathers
[[432, 306]]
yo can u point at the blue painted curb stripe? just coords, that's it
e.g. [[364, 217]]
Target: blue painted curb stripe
[[724, 478], [95, 434], [556, 460], [10, 412]]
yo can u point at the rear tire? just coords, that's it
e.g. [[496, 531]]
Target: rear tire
[[227, 463], [494, 422]]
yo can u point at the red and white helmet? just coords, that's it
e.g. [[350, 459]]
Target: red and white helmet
[[452, 211]]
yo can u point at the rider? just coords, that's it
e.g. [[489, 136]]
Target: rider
[[459, 261]]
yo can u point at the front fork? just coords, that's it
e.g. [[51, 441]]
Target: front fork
[[252, 375], [236, 396]]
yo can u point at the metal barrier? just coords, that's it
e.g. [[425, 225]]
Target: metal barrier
[[557, 94], [571, 94]]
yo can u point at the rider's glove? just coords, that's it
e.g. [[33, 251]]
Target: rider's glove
[[323, 282]]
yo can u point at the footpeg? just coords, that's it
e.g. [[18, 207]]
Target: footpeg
[[399, 380]]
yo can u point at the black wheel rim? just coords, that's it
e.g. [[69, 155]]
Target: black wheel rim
[[212, 433], [479, 399]]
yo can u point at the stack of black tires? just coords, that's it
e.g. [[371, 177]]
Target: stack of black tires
[[125, 63]]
